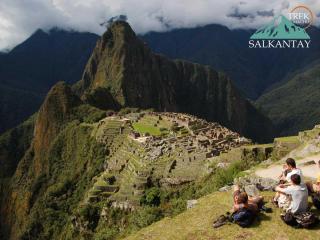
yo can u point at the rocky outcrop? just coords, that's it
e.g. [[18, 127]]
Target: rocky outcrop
[[53, 114], [136, 77]]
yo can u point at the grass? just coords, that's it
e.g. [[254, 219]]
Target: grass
[[288, 139], [144, 128], [147, 125], [196, 223], [101, 183]]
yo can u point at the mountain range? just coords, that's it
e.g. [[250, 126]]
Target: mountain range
[[29, 70], [254, 71]]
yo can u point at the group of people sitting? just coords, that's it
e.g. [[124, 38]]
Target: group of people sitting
[[291, 193], [291, 196]]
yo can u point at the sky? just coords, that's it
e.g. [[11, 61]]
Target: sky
[[20, 18]]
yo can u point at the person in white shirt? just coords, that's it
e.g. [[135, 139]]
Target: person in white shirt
[[290, 169], [298, 193]]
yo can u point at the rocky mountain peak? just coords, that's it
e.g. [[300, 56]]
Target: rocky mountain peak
[[106, 66], [117, 34]]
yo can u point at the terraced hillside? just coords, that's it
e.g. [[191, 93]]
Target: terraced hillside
[[155, 149]]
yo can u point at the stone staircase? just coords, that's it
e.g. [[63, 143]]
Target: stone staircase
[[134, 176], [103, 188], [109, 130]]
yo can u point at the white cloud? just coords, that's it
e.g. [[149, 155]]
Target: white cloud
[[20, 18]]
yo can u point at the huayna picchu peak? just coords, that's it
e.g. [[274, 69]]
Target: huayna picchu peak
[[123, 65]]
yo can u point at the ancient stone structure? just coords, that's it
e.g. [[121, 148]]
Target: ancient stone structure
[[179, 155]]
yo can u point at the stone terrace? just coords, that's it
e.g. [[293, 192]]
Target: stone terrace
[[175, 152]]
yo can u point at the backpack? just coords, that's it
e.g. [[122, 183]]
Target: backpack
[[243, 217], [289, 219], [316, 200], [306, 220]]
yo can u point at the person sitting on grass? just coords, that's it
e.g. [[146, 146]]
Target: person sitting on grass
[[291, 168], [298, 193], [314, 190], [242, 200], [314, 187], [245, 208], [281, 200]]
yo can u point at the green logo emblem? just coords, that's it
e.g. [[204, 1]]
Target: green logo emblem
[[280, 28]]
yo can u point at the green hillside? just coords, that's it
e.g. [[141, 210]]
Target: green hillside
[[196, 223], [96, 174], [294, 105], [74, 172]]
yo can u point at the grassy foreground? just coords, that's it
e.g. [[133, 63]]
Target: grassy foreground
[[196, 223]]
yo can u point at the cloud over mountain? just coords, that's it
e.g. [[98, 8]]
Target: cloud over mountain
[[18, 19]]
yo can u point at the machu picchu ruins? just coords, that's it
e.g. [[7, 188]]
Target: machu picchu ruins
[[155, 148]]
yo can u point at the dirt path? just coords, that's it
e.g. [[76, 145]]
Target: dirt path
[[274, 170]]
